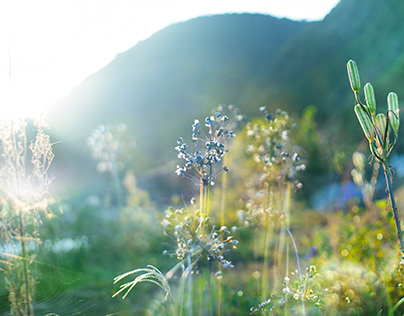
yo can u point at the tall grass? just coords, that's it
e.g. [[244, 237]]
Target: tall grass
[[347, 268], [24, 184], [199, 243]]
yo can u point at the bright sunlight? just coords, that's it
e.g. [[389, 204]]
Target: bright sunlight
[[201, 157], [49, 47]]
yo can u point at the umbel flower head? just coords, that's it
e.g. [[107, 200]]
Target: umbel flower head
[[210, 147], [180, 225], [270, 147], [278, 163]]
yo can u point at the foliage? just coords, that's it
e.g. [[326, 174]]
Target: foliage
[[243, 59], [199, 244], [382, 133], [24, 194]]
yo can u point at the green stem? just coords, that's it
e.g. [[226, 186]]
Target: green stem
[[266, 247], [219, 302], [286, 208], [117, 184], [222, 209], [266, 257], [201, 206], [27, 301], [298, 267], [394, 207], [391, 313], [190, 288], [208, 200]]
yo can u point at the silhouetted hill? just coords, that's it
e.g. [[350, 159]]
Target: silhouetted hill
[[371, 33], [161, 84], [179, 73]]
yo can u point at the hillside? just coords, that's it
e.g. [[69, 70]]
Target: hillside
[[161, 84], [180, 72]]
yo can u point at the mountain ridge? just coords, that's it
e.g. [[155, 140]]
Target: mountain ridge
[[180, 73]]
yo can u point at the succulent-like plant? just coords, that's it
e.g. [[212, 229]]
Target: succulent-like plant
[[381, 130]]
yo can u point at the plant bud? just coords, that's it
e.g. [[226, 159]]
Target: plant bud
[[365, 122], [380, 121], [353, 74], [392, 103], [370, 98]]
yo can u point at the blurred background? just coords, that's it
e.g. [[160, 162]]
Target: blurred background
[[121, 81]]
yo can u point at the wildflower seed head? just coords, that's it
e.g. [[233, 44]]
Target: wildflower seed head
[[184, 226], [200, 165], [110, 147], [279, 160]]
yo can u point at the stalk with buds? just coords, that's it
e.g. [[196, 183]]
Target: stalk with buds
[[381, 130]]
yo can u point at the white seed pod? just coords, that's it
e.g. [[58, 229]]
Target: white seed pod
[[392, 103], [365, 122]]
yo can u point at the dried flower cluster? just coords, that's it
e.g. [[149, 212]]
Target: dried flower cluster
[[24, 184], [106, 144], [278, 162], [210, 147], [186, 228]]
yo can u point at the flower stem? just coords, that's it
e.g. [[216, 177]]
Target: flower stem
[[266, 258], [190, 288], [394, 207], [27, 301]]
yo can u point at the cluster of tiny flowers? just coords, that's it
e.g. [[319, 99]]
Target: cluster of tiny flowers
[[184, 227], [106, 145], [299, 290], [271, 147], [199, 164], [262, 307], [279, 163], [304, 289]]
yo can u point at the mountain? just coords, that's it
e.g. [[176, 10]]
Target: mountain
[[179, 73], [158, 87]]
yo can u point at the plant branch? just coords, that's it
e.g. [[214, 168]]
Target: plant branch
[[387, 174]]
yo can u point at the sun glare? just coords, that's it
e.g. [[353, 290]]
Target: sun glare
[[16, 104], [48, 47]]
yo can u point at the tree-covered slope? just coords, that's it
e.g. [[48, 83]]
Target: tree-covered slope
[[180, 72], [161, 84]]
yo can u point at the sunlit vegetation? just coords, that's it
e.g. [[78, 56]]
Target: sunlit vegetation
[[253, 211], [239, 240]]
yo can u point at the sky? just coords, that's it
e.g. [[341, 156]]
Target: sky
[[47, 47]]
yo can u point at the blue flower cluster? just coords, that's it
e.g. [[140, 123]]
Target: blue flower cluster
[[209, 148]]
